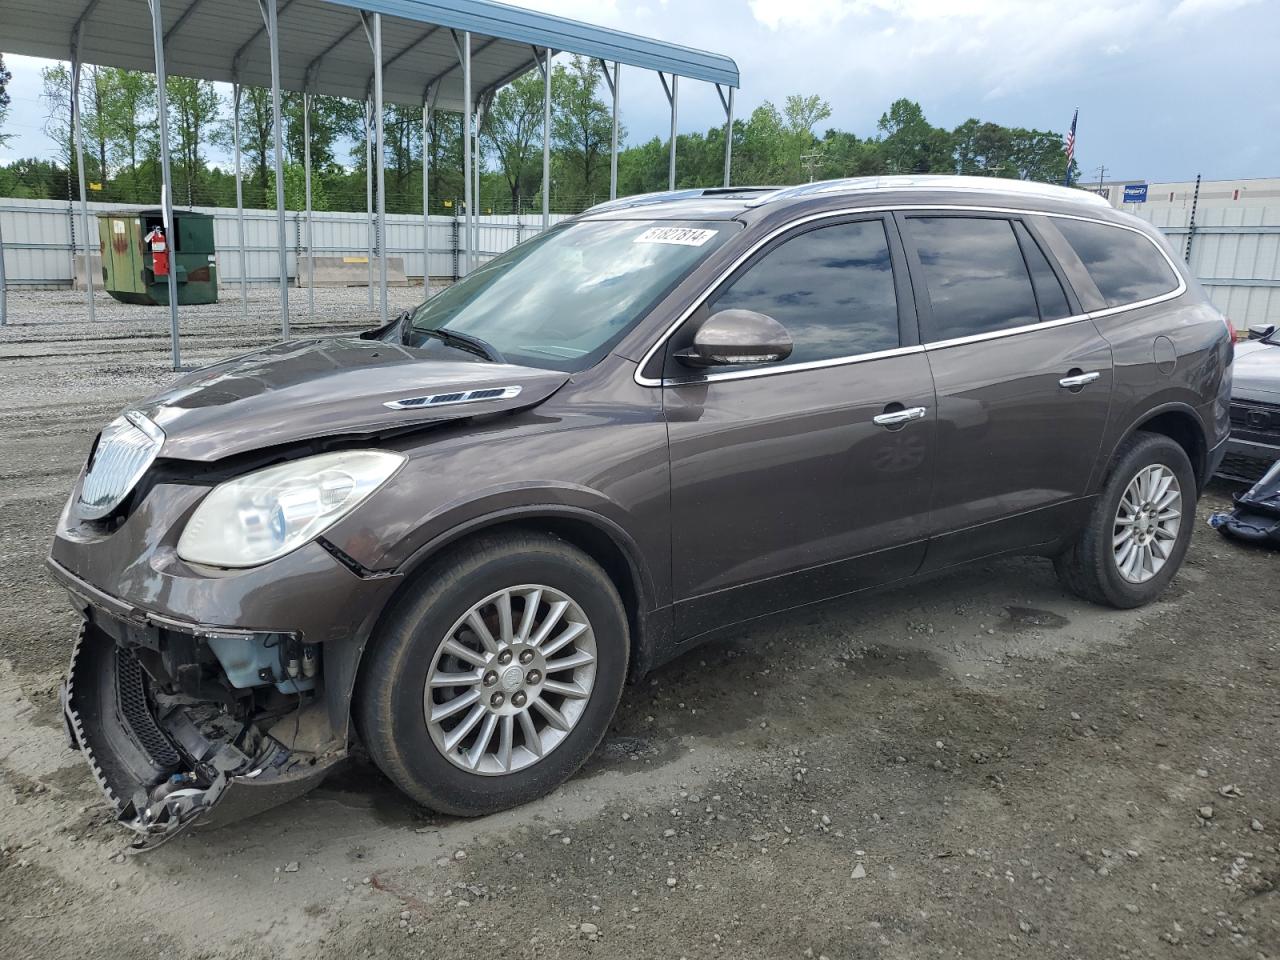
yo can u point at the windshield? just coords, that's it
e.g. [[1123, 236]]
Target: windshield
[[564, 298]]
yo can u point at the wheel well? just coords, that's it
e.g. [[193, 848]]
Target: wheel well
[[1183, 429], [591, 540]]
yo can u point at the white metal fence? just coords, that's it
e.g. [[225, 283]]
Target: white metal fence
[[38, 237], [1235, 248], [1235, 252]]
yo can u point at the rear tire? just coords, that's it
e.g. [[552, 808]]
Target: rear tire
[[494, 615], [1137, 533]]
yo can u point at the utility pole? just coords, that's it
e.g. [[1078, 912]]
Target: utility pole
[[809, 159], [1102, 173]]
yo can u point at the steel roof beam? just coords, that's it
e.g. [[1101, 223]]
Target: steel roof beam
[[235, 58], [185, 16], [309, 73]]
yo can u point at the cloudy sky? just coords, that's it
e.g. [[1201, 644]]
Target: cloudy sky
[[1166, 88]]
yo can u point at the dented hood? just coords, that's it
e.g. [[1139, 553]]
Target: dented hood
[[316, 388]]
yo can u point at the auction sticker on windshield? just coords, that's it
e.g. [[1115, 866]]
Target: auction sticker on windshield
[[681, 236]]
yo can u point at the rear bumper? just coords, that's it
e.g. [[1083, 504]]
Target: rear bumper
[[1253, 449], [1245, 460]]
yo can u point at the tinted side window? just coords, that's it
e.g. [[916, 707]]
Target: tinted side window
[[832, 288], [1124, 264], [1049, 294], [975, 275]]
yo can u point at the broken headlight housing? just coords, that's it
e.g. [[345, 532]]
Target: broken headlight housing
[[262, 516]]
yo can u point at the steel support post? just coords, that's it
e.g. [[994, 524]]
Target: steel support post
[[237, 92], [306, 176], [368, 190], [269, 16], [727, 103], [614, 82], [467, 160], [166, 175], [426, 193], [672, 92], [77, 128], [477, 164], [382, 183], [546, 140], [4, 290]]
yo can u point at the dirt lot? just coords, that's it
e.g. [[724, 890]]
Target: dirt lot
[[976, 766]]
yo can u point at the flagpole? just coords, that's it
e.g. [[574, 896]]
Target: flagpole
[[1071, 148]]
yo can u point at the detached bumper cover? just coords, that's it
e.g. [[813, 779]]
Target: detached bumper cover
[[1256, 516], [164, 764]]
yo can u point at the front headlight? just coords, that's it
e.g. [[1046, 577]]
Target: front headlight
[[256, 518]]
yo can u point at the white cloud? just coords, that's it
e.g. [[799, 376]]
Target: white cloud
[[1191, 8]]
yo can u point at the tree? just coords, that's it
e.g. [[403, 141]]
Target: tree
[[512, 127], [129, 115], [5, 77], [95, 128], [56, 95], [799, 116], [911, 144], [194, 110], [581, 125], [256, 128]]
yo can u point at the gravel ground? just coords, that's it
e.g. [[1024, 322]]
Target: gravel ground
[[977, 765]]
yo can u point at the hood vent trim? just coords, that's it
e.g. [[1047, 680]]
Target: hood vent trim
[[478, 395]]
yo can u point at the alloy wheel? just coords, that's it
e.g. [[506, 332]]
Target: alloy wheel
[[510, 680], [1146, 523]]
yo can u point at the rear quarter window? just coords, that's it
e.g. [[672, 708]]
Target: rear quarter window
[[1125, 265]]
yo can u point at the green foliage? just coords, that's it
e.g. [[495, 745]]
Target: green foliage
[[771, 146], [513, 131], [5, 77], [581, 129]]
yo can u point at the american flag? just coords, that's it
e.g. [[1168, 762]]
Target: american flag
[[1070, 145]]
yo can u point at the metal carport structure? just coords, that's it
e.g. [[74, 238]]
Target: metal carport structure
[[452, 55]]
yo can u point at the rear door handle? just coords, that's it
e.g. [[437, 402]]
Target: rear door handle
[[1079, 380], [897, 417]]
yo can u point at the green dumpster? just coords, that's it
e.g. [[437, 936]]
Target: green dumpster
[[127, 261]]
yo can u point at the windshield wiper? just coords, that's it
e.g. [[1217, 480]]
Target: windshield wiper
[[465, 341]]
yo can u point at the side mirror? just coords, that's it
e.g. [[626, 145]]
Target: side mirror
[[1260, 331], [737, 336]]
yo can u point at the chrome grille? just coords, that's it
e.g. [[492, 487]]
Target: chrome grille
[[125, 450]]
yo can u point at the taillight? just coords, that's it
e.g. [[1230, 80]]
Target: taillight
[[1231, 327]]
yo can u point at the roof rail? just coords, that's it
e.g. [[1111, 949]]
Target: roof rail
[[1029, 188], [666, 196]]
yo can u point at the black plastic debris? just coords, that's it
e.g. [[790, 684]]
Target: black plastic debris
[[1256, 515]]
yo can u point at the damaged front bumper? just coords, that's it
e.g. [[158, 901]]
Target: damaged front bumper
[[165, 757]]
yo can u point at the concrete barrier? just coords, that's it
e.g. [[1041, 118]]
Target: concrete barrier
[[349, 272]]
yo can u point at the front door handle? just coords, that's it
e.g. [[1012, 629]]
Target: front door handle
[[894, 418], [1077, 380]]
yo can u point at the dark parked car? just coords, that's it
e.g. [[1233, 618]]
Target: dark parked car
[[453, 539]]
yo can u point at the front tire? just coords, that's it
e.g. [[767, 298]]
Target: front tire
[[1138, 530], [495, 676]]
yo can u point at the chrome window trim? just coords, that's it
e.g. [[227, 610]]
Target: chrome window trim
[[715, 285], [694, 379]]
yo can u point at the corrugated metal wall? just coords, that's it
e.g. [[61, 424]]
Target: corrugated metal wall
[[1235, 251], [38, 234]]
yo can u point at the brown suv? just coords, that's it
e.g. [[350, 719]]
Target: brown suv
[[453, 539]]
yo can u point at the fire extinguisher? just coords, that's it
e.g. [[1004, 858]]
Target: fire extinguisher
[[159, 252]]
